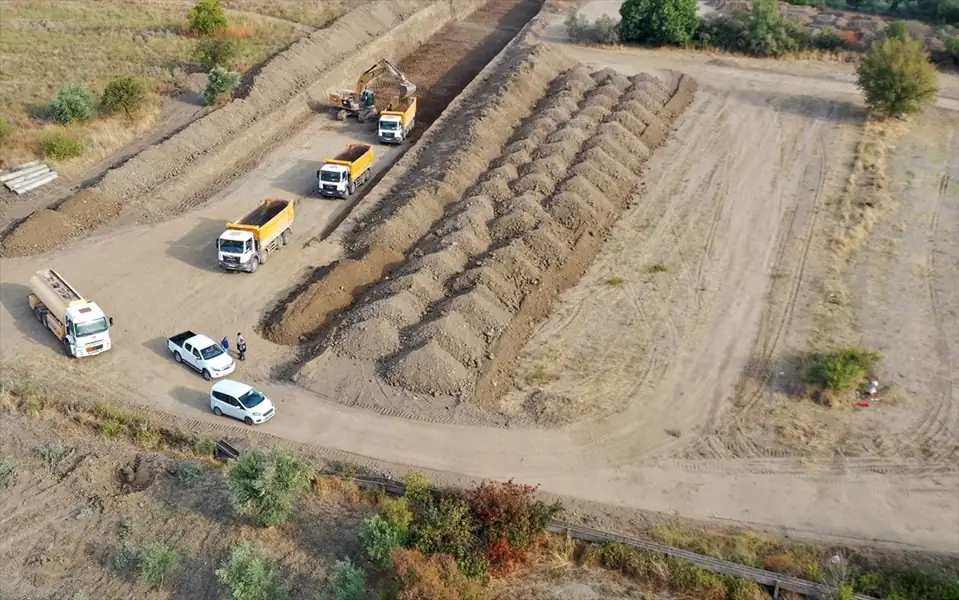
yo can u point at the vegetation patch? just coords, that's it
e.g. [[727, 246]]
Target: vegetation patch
[[842, 369]]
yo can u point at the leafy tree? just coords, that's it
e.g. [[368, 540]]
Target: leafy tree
[[221, 83], [249, 575], [266, 486], [207, 17], [769, 34], [658, 22], [124, 93], [380, 539], [74, 102], [895, 77], [952, 47], [349, 581], [157, 564], [446, 526], [210, 52], [898, 30]]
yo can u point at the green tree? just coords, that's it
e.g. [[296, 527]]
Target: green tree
[[266, 486], [380, 539], [658, 22], [207, 17], [221, 83], [249, 575], [769, 34], [895, 77], [210, 52], [124, 93], [349, 581], [74, 102], [158, 562]]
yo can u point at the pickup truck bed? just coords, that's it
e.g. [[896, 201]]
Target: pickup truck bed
[[179, 338]]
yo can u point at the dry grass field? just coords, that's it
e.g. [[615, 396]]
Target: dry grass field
[[45, 44]]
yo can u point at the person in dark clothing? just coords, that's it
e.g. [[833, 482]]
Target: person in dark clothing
[[226, 344], [241, 345]]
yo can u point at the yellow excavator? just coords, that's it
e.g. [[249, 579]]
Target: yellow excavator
[[360, 101]]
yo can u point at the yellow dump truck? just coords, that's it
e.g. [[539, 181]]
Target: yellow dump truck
[[341, 175], [397, 122], [248, 242]]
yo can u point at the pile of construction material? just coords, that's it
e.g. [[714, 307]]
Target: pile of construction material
[[20, 179]]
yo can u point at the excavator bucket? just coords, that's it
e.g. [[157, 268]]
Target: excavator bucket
[[408, 87]]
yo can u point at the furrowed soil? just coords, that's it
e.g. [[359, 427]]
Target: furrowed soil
[[440, 69]]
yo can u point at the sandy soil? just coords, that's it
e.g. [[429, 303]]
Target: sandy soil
[[160, 279]]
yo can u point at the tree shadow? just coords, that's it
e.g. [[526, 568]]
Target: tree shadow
[[810, 107]]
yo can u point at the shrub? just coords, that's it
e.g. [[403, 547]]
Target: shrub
[[207, 17], [124, 93], [8, 475], [221, 84], [204, 445], [265, 486], [211, 52], [74, 102], [605, 30], [577, 27], [508, 517], [895, 77], [189, 472], [61, 146], [397, 513], [112, 428], [436, 577], [828, 39], [897, 30], [51, 453], [952, 47], [349, 581], [445, 526], [249, 575], [6, 128], [125, 560], [768, 33], [417, 488], [658, 22], [724, 32], [159, 561], [842, 369], [380, 539]]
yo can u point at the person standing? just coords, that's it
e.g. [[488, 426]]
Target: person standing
[[226, 344], [241, 345]]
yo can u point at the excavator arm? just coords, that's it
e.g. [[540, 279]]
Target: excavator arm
[[360, 101], [384, 66]]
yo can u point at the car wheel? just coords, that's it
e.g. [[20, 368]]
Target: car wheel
[[217, 411], [177, 357], [206, 375], [248, 421]]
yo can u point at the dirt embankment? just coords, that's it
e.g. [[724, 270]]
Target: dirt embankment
[[453, 318], [441, 68], [183, 171]]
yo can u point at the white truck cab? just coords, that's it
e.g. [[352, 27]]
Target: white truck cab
[[87, 330], [390, 127], [334, 180], [80, 325], [235, 247]]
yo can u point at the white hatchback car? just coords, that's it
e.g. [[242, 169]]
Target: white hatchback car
[[240, 401]]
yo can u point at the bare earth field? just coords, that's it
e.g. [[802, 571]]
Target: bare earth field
[[596, 274]]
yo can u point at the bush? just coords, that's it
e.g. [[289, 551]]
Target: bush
[[6, 128], [8, 475], [112, 428], [436, 577], [349, 581], [211, 52], [380, 539], [204, 445], [124, 93], [207, 17], [417, 489], [897, 30], [61, 146], [221, 83], [895, 77], [828, 39], [249, 575], [508, 518], [74, 102], [159, 561], [125, 560], [265, 486], [605, 30], [445, 526], [768, 33], [842, 369], [952, 47], [51, 453], [189, 472], [658, 22]]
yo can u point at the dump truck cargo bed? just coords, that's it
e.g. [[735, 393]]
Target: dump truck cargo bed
[[352, 153], [267, 221]]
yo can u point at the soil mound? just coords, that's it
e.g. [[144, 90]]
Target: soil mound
[[428, 369], [369, 340]]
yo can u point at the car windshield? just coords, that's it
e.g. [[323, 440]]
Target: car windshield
[[252, 398], [91, 327], [389, 125], [231, 246], [211, 352], [330, 176]]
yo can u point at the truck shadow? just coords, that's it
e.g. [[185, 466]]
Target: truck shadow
[[13, 297], [159, 347], [198, 247], [300, 179]]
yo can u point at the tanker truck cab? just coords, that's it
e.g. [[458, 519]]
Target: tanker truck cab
[[80, 325], [87, 330]]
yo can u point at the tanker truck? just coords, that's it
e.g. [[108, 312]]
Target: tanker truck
[[80, 325]]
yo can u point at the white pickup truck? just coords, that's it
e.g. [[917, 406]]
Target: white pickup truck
[[202, 354]]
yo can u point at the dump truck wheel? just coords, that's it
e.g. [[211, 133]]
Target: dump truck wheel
[[38, 314], [286, 237], [341, 115], [254, 263]]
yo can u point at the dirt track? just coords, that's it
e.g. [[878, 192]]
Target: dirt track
[[160, 279]]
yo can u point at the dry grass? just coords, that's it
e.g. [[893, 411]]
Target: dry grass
[[49, 43]]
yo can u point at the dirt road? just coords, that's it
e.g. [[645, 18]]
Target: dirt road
[[159, 280]]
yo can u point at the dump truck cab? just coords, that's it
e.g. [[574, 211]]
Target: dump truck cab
[[235, 247], [334, 180], [341, 175]]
